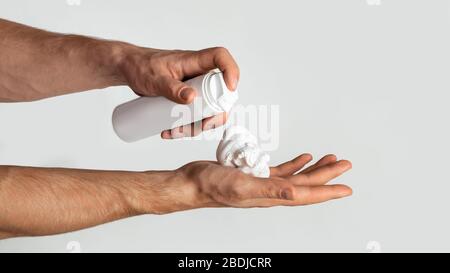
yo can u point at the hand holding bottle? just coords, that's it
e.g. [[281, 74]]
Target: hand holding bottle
[[152, 72]]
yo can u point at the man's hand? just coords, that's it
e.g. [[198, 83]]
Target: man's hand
[[41, 201], [208, 184], [36, 64], [152, 72]]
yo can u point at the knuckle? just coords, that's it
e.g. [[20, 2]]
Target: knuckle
[[230, 190], [234, 190], [153, 64], [221, 50], [175, 69], [149, 87], [309, 176], [238, 69], [271, 192], [287, 192], [195, 132], [307, 195], [302, 177], [236, 193], [195, 128], [177, 132]]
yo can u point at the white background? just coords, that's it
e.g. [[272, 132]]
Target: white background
[[367, 82]]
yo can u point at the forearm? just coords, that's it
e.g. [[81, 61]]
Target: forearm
[[36, 64], [41, 201]]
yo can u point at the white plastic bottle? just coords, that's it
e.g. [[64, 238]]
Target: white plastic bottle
[[148, 116]]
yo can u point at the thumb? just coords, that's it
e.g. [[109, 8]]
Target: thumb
[[176, 91]]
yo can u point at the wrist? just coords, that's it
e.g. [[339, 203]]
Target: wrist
[[131, 62], [162, 192], [112, 56]]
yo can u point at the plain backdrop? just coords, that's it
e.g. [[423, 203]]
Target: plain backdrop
[[365, 79]]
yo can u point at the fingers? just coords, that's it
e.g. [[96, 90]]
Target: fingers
[[255, 188], [302, 195], [319, 194], [214, 121], [290, 167], [201, 62], [175, 90], [166, 72], [281, 191], [189, 130], [323, 174], [302, 189], [195, 128], [323, 161]]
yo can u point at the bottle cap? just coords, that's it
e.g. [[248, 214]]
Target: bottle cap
[[220, 94]]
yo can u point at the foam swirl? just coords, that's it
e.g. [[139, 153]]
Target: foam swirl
[[240, 149]]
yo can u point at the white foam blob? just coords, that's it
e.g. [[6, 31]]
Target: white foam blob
[[239, 148]]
